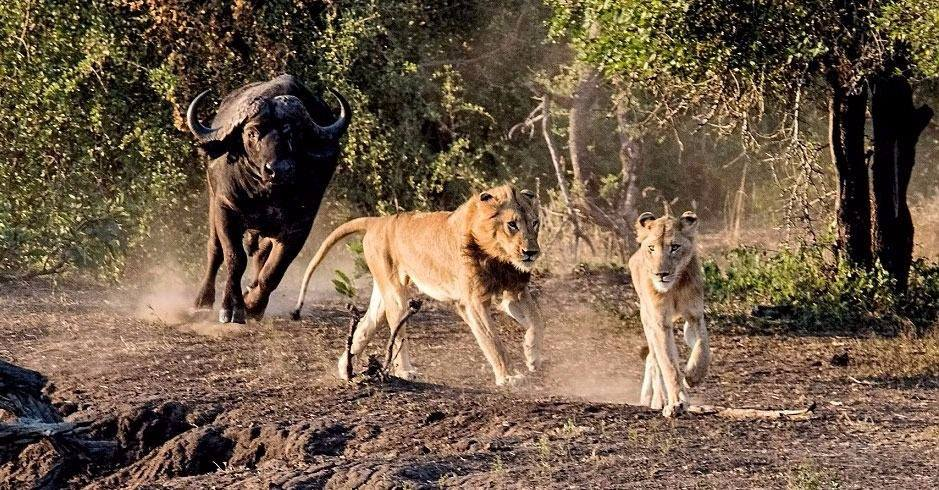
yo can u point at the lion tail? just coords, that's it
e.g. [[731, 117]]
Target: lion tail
[[358, 225]]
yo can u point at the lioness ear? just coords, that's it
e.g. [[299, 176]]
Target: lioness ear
[[689, 222], [642, 225]]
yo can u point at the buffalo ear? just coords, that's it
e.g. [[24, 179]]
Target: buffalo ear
[[214, 149], [642, 225], [528, 193], [689, 223]]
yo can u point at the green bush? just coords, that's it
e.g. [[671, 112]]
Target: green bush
[[808, 288], [96, 166]]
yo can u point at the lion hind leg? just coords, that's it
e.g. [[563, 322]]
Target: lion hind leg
[[365, 329], [395, 307]]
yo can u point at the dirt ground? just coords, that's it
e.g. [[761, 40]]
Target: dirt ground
[[196, 405]]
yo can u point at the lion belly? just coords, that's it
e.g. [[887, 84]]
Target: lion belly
[[433, 289]]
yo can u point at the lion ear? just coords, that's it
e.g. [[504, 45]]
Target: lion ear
[[642, 224], [485, 196], [689, 223]]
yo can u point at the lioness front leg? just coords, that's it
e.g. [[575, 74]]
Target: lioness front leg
[[524, 309], [652, 393], [483, 328], [661, 341], [696, 336]]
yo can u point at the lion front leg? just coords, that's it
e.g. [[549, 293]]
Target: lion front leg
[[524, 309], [483, 328], [652, 393], [661, 341], [696, 336]]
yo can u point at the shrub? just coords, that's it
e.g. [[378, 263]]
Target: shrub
[[808, 288]]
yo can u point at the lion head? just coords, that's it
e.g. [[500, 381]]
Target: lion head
[[667, 246], [505, 223]]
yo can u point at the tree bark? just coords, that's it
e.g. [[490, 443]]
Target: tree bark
[[630, 158], [897, 125], [847, 113], [579, 121]]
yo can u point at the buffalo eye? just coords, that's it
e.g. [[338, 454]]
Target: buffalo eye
[[675, 247], [513, 226], [535, 224]]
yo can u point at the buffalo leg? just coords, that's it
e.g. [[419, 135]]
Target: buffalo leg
[[258, 259], [282, 254], [230, 232], [206, 296]]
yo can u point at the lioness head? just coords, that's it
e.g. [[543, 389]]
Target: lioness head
[[505, 225], [667, 246]]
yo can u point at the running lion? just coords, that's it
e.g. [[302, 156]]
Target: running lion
[[479, 254]]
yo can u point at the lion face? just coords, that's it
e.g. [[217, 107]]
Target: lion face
[[667, 247], [506, 225]]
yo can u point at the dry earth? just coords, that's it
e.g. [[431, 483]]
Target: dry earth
[[196, 405]]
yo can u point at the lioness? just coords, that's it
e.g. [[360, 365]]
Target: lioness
[[668, 280], [481, 252]]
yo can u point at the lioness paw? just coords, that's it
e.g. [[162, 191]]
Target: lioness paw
[[535, 366], [406, 374], [674, 410], [512, 380], [343, 368]]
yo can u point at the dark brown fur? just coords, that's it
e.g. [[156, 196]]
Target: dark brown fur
[[496, 276], [270, 164]]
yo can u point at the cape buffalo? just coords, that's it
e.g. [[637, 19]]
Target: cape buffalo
[[273, 147]]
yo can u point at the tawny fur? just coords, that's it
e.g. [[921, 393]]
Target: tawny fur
[[669, 281], [480, 253]]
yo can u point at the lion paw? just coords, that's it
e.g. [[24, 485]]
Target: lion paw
[[512, 380], [536, 366], [343, 368], [406, 374], [673, 410]]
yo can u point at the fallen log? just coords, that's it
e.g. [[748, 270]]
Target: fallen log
[[37, 419], [753, 413]]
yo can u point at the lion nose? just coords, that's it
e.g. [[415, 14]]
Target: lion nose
[[662, 275], [530, 254]]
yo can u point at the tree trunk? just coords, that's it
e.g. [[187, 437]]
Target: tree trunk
[[630, 159], [897, 125], [847, 113], [579, 121]]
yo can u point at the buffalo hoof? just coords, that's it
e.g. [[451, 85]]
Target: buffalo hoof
[[295, 315], [235, 315]]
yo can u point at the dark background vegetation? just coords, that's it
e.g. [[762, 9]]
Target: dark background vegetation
[[98, 176]]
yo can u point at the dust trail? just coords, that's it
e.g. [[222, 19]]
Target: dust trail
[[592, 357], [165, 292]]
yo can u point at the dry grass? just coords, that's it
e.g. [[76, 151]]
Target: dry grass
[[903, 358]]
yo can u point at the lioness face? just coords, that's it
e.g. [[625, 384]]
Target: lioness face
[[510, 225], [667, 246]]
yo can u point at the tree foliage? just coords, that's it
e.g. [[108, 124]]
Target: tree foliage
[[96, 154]]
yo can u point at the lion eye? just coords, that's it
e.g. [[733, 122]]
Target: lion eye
[[513, 225], [652, 248], [675, 247]]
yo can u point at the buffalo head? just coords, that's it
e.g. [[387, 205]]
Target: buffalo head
[[273, 135]]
